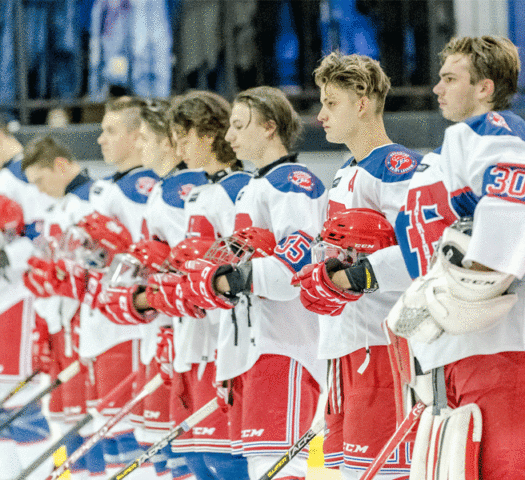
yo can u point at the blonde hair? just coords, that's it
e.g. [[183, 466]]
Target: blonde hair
[[359, 73], [495, 58]]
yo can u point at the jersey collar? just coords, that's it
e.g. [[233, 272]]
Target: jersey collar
[[118, 175], [291, 158], [82, 178]]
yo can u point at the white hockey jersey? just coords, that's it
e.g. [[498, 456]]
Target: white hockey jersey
[[209, 213], [16, 302], [123, 195], [58, 311], [479, 171], [379, 182], [164, 220], [290, 201]]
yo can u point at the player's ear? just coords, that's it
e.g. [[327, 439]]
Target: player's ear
[[270, 128], [60, 164], [485, 89], [363, 105]]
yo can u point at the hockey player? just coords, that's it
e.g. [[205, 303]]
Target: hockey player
[[456, 313], [17, 317], [354, 300], [266, 339], [51, 167]]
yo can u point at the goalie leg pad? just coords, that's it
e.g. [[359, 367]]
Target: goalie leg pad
[[447, 445]]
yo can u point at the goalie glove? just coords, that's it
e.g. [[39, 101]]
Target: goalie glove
[[166, 293], [318, 293], [451, 298]]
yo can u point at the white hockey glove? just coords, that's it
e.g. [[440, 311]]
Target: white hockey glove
[[451, 298]]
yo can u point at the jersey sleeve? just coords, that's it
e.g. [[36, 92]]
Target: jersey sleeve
[[297, 202], [390, 270]]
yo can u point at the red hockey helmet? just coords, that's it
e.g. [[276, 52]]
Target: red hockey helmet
[[242, 246], [192, 248], [133, 267], [353, 232], [11, 218], [94, 241]]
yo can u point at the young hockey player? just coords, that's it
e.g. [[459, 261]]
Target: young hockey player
[[266, 339], [26, 438], [353, 300], [456, 313]]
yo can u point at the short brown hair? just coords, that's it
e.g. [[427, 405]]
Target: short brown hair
[[362, 74], [132, 107], [495, 58], [272, 104], [154, 114], [209, 114], [43, 151]]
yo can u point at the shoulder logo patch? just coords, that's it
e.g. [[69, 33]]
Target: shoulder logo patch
[[185, 190], [144, 185], [400, 163], [301, 179], [497, 120]]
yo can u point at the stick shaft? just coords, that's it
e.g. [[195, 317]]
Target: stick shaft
[[397, 437], [294, 450], [19, 386], [186, 425]]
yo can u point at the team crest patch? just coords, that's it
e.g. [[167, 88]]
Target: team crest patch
[[144, 185], [185, 190], [301, 179], [497, 120], [400, 163]]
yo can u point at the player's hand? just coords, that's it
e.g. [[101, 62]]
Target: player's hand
[[318, 293], [117, 304], [167, 293], [201, 291], [41, 346], [165, 354]]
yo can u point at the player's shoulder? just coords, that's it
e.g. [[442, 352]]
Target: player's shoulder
[[176, 187], [14, 166], [391, 163], [234, 183], [291, 177], [504, 123], [137, 184]]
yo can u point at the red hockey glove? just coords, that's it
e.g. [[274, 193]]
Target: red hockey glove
[[92, 296], [166, 293], [165, 354], [41, 346], [201, 276], [318, 293], [45, 278], [117, 304]]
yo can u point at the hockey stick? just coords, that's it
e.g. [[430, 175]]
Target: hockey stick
[[103, 403], [18, 387], [401, 432], [65, 375], [186, 425], [150, 387], [294, 450]]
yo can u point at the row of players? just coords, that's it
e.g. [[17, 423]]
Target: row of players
[[240, 330]]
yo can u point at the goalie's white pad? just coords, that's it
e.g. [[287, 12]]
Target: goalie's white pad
[[451, 298], [447, 445]]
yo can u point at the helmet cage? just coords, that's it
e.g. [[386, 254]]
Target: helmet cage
[[77, 245], [124, 271]]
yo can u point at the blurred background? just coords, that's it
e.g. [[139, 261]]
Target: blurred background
[[62, 59]]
